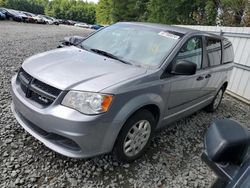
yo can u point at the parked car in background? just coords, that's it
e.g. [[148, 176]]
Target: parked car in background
[[102, 98], [50, 20], [71, 22], [11, 14], [22, 15], [83, 25], [39, 19], [55, 21], [28, 17], [96, 26], [31, 18], [66, 22], [2, 16], [62, 21], [47, 19]]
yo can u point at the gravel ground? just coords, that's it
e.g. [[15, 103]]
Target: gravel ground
[[173, 160]]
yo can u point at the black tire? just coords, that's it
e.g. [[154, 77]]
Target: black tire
[[213, 107], [134, 119]]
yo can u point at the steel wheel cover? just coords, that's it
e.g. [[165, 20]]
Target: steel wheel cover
[[137, 138]]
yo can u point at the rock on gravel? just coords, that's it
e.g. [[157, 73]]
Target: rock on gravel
[[173, 160]]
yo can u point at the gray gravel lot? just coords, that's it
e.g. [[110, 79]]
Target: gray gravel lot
[[173, 160]]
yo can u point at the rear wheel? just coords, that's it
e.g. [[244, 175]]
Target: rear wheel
[[135, 136], [216, 102]]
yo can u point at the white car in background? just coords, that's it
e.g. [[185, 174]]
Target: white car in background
[[43, 19], [39, 19], [49, 20], [83, 25]]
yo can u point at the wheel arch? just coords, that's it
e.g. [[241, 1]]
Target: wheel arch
[[225, 84], [151, 102], [153, 109]]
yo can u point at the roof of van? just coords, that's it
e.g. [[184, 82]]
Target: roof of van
[[183, 30], [178, 29]]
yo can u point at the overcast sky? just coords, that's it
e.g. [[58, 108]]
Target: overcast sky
[[95, 1]]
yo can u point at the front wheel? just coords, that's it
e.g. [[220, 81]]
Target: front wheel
[[216, 102], [135, 136]]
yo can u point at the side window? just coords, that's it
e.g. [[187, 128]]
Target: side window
[[191, 51], [213, 47], [228, 51]]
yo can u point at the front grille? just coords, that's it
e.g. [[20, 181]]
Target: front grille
[[47, 88], [36, 90], [25, 75]]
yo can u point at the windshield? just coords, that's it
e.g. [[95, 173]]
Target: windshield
[[138, 45]]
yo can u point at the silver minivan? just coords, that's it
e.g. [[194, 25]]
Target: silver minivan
[[116, 87]]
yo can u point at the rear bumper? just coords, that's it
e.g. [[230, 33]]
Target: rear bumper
[[62, 129]]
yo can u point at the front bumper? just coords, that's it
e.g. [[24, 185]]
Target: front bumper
[[62, 129]]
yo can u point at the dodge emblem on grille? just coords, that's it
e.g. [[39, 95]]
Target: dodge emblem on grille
[[43, 99]]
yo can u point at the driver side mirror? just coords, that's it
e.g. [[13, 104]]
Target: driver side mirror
[[183, 67]]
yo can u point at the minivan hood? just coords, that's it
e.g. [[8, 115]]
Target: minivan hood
[[75, 68]]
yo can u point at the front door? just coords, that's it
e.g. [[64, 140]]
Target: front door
[[186, 92]]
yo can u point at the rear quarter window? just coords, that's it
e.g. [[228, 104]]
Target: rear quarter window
[[228, 55], [213, 47]]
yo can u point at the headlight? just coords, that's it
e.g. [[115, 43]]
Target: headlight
[[87, 102]]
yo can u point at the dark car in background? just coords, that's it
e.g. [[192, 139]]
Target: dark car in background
[[62, 21], [22, 15], [2, 16], [28, 17], [96, 26], [72, 22], [66, 22], [11, 14], [31, 18]]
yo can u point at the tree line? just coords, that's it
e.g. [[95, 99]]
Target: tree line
[[33, 6], [63, 9], [195, 12]]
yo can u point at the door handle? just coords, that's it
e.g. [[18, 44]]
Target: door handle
[[200, 78], [208, 76]]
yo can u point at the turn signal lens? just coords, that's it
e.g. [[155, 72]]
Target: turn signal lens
[[107, 99]]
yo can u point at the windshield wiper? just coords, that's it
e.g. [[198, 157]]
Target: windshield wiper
[[107, 54]]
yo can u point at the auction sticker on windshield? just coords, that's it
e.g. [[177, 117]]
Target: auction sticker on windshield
[[169, 35]]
